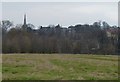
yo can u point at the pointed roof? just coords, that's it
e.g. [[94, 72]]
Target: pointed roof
[[24, 19], [24, 22]]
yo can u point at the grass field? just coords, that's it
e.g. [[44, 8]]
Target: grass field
[[59, 67]]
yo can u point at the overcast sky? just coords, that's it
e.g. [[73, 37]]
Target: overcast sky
[[65, 14], [60, 0]]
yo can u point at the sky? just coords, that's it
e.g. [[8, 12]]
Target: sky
[[59, 0], [63, 13]]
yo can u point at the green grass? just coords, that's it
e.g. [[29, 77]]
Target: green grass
[[59, 67]]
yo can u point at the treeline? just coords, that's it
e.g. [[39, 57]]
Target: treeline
[[99, 38]]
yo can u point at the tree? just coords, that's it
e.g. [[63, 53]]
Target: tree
[[6, 24], [105, 24], [97, 24], [55, 39]]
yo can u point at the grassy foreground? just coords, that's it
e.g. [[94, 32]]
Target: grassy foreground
[[59, 67]]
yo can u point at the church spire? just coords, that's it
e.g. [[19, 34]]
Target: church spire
[[24, 19], [24, 24]]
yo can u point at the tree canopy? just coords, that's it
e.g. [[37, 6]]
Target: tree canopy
[[99, 38]]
